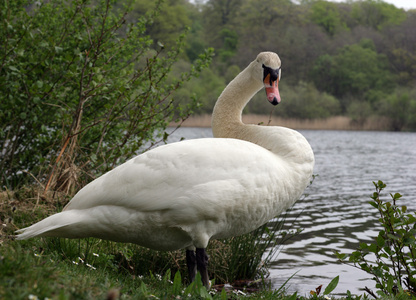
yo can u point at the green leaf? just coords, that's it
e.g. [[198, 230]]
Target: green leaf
[[396, 196], [224, 295], [374, 204], [381, 185], [373, 248], [409, 240], [332, 285], [13, 68], [380, 240], [143, 288], [340, 256], [177, 284], [392, 237]]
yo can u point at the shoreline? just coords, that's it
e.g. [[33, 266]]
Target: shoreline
[[331, 123]]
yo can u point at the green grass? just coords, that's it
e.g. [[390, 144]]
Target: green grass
[[29, 270], [57, 268]]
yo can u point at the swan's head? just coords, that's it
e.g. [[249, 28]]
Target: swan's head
[[268, 67]]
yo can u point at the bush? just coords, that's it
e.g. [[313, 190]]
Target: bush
[[81, 88], [356, 70], [304, 101], [400, 108], [359, 111], [391, 258]]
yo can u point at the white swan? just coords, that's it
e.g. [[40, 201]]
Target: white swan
[[181, 195]]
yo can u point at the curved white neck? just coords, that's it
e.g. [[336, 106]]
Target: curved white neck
[[227, 123], [226, 117]]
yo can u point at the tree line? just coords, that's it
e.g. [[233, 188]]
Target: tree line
[[351, 58]]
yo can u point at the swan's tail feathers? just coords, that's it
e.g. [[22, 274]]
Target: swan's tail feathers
[[55, 225]]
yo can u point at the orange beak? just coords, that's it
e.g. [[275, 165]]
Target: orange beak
[[272, 90]]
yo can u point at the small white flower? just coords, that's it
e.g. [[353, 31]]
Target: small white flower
[[80, 260], [33, 297], [88, 265], [95, 254], [74, 262], [237, 292], [326, 297], [37, 255]]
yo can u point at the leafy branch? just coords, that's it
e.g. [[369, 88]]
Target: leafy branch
[[391, 258], [83, 89]]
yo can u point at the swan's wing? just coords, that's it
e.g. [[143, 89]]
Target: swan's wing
[[181, 175]]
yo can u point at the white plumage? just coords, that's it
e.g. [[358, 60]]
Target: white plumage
[[181, 195]]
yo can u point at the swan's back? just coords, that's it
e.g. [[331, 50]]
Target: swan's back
[[188, 183], [185, 188]]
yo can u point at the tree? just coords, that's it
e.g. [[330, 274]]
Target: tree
[[400, 107], [355, 70], [326, 15], [304, 101], [81, 89], [174, 18], [377, 14], [400, 48], [219, 18]]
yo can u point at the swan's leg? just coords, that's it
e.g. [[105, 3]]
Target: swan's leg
[[202, 264], [191, 264]]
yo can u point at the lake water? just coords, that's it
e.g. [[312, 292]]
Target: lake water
[[336, 215]]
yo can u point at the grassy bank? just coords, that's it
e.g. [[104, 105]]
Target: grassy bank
[[332, 123], [54, 268]]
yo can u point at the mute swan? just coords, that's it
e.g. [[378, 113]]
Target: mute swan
[[183, 194]]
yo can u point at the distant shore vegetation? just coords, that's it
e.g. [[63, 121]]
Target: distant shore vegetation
[[354, 59]]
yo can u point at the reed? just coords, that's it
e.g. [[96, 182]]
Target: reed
[[332, 123]]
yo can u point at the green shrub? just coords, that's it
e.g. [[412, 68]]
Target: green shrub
[[304, 101], [400, 108], [82, 89], [391, 258]]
